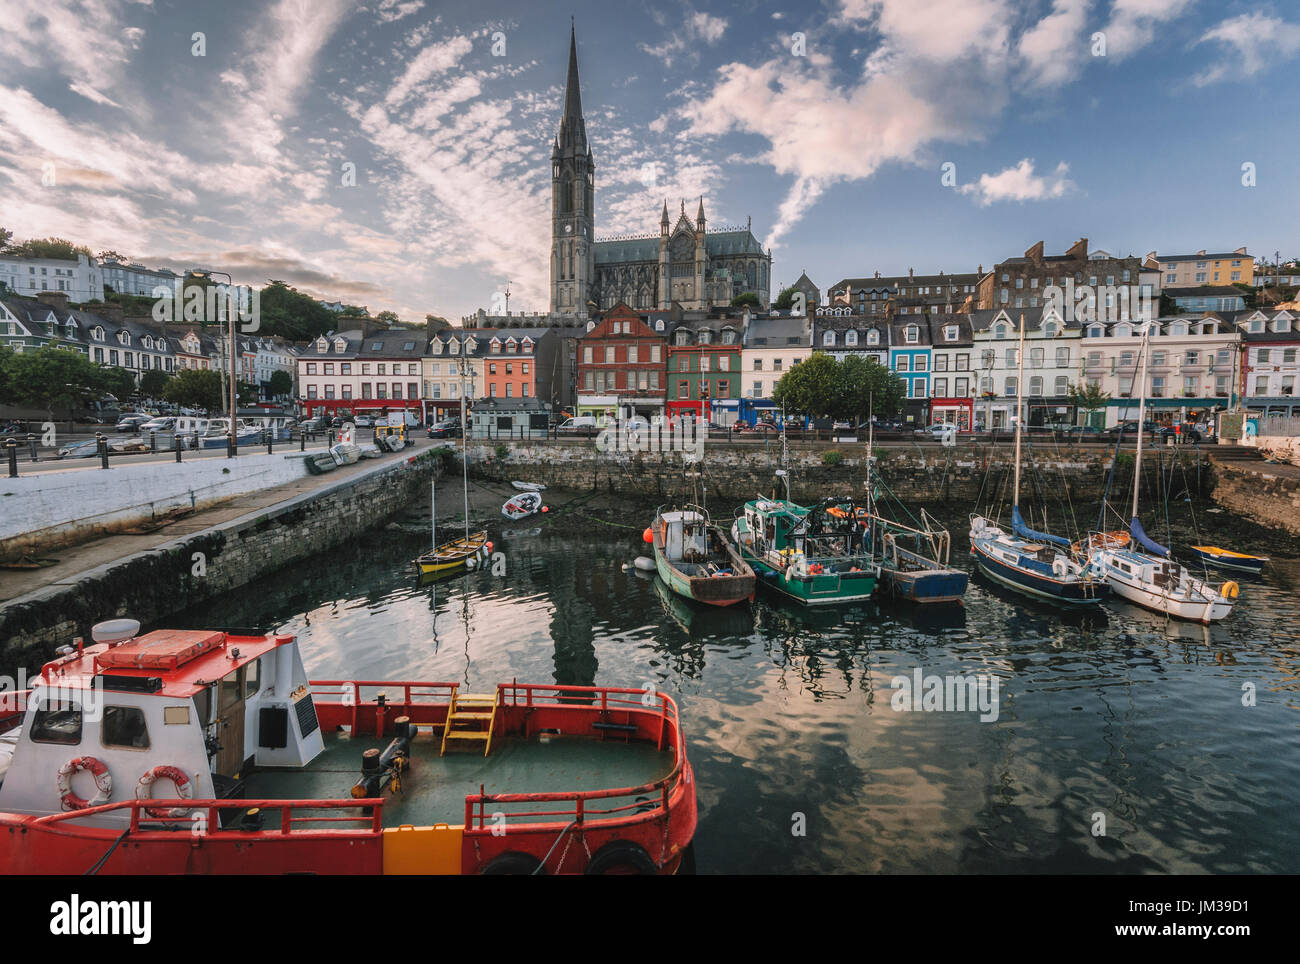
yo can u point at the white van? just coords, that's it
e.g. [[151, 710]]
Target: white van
[[579, 423], [405, 417]]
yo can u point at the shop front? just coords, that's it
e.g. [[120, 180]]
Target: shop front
[[953, 411]]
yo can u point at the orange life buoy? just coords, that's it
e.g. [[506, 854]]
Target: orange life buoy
[[144, 790], [1229, 590], [103, 783]]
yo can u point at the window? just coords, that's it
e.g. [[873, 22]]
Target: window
[[329, 368], [1157, 359], [950, 333], [920, 389], [903, 363], [311, 391], [492, 368], [311, 368], [704, 363], [124, 726], [758, 364], [941, 387], [57, 721], [683, 389], [724, 363], [1063, 357], [347, 391], [1036, 385], [654, 353], [1261, 385], [586, 355], [1012, 358], [828, 338], [1261, 356], [963, 363], [940, 363], [609, 354], [1036, 358], [1000, 331], [920, 363], [1157, 386], [412, 389], [1062, 386], [912, 334], [1010, 386], [329, 391], [631, 355], [1193, 358], [963, 387], [381, 369], [776, 364]]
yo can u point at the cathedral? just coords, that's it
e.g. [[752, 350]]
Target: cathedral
[[685, 263]]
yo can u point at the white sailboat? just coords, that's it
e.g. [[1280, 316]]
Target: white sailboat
[[1144, 572]]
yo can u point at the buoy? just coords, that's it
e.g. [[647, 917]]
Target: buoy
[[489, 546], [626, 566], [647, 536], [644, 563], [546, 508]]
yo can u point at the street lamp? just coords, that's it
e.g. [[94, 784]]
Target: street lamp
[[234, 398]]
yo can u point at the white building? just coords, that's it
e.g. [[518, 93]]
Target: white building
[[129, 278], [81, 280], [1051, 366], [770, 348]]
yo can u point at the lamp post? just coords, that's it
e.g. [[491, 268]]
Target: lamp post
[[234, 398]]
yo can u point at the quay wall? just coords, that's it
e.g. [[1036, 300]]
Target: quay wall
[[46, 510], [155, 583], [1268, 494], [736, 472]]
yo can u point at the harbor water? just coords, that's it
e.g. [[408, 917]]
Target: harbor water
[[1118, 742]]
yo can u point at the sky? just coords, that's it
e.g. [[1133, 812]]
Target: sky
[[395, 153]]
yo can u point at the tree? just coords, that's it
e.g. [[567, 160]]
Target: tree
[[388, 318], [117, 382], [281, 383], [51, 376], [195, 388], [439, 323], [1088, 397], [5, 237], [746, 299], [824, 388], [291, 314], [785, 300], [154, 382], [48, 248]]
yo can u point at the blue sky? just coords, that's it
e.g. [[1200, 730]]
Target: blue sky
[[236, 160]]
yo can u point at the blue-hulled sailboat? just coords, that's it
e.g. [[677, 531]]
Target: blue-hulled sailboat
[[1035, 563]]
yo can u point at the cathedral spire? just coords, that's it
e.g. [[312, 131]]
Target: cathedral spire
[[572, 90], [699, 217]]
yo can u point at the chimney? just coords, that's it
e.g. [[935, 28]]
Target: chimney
[[1201, 253], [55, 299], [909, 274], [1035, 254], [1078, 250]]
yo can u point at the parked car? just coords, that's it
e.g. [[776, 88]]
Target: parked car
[[1129, 428], [364, 421], [447, 428], [163, 424], [131, 423], [579, 423], [937, 430], [313, 425]]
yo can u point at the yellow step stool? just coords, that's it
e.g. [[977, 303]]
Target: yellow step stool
[[466, 716]]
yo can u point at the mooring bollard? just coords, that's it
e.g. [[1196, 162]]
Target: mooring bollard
[[31, 445], [153, 440], [12, 446], [176, 441], [331, 438], [302, 441], [270, 440], [103, 450], [230, 445], [196, 440]]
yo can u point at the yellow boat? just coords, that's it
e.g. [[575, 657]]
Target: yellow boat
[[1227, 559], [453, 555]]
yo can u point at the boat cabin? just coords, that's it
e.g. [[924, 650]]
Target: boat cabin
[[187, 710]]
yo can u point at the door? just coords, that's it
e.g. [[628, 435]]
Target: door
[[230, 724]]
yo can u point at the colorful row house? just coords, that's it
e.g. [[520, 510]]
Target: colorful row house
[[621, 366]]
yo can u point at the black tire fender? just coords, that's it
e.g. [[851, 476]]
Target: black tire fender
[[513, 862], [623, 855]]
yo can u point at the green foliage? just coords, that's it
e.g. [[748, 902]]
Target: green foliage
[[849, 390], [117, 382], [502, 452], [1087, 396], [281, 383], [46, 248], [832, 458], [50, 377], [292, 314], [388, 318], [1248, 292], [785, 300], [195, 388], [154, 382], [747, 299]]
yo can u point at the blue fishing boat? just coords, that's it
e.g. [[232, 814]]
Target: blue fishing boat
[[1227, 559], [1036, 563]]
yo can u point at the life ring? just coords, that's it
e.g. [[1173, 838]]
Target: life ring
[[103, 783], [144, 790], [1229, 590]]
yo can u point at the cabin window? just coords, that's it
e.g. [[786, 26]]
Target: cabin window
[[124, 727], [57, 722], [252, 678], [203, 704]]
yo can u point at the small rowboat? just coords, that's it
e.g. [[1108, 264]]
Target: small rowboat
[[1227, 559], [522, 506], [529, 486], [454, 554]]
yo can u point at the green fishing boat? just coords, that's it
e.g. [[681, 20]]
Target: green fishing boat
[[813, 555], [695, 559]]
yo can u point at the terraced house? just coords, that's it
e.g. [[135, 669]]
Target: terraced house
[[391, 369], [952, 377], [841, 331], [704, 354], [453, 371], [622, 366], [1051, 368], [1270, 366], [909, 357]]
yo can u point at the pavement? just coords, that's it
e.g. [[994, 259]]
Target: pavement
[[73, 560]]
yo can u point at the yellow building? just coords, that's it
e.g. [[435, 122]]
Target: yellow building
[[453, 370], [1194, 270]]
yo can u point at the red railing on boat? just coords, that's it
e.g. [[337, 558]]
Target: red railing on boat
[[578, 803], [140, 821], [351, 693]]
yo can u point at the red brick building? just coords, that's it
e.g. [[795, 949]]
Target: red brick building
[[621, 362]]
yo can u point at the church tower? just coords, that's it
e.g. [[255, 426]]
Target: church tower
[[573, 189]]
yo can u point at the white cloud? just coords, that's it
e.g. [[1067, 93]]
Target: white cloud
[[1133, 24], [85, 90], [1054, 48], [1254, 42], [87, 42], [1021, 183], [686, 35], [392, 10]]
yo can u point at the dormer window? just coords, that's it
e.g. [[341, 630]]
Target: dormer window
[[705, 337], [512, 346], [1000, 331], [97, 333], [436, 346], [850, 337], [526, 346], [1256, 327], [682, 337], [494, 346], [873, 337], [728, 336], [322, 345], [950, 333], [340, 345], [453, 346], [659, 324], [828, 339], [912, 334], [1281, 324], [1049, 330]]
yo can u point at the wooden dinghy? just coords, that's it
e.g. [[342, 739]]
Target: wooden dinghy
[[454, 554], [695, 558], [522, 506], [1227, 559]]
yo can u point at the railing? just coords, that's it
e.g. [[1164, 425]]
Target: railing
[[140, 820], [351, 694], [655, 795]]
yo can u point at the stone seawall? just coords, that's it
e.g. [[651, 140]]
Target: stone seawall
[[264, 544], [736, 472], [1269, 494]]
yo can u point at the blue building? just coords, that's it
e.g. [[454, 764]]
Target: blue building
[[909, 358]]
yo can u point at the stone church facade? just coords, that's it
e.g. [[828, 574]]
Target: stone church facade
[[685, 264]]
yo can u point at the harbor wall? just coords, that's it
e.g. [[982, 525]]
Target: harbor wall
[[1266, 493], [264, 544], [50, 509], [736, 472]]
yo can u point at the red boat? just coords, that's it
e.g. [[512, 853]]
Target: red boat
[[210, 752]]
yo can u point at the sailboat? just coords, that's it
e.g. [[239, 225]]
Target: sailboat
[[1144, 571], [1036, 563], [466, 551]]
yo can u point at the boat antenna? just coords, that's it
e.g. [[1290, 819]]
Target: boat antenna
[[1020, 394]]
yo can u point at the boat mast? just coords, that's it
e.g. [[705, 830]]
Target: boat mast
[[1142, 412], [464, 441], [1020, 394]]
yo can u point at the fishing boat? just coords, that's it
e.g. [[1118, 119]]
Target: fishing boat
[[1144, 571], [522, 506], [1227, 559], [695, 559], [468, 551], [809, 554], [1036, 563], [211, 752]]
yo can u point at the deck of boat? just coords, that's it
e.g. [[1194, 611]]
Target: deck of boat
[[434, 789]]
